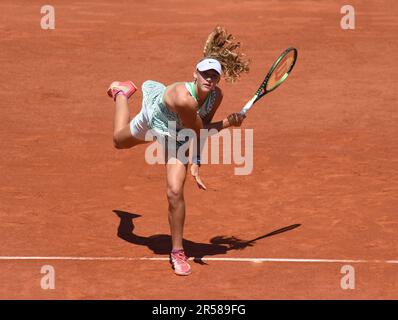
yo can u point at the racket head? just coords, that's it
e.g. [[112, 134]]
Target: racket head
[[279, 72]]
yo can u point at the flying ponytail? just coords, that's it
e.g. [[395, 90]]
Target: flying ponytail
[[221, 45]]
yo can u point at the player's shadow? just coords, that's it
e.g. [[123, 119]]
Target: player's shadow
[[161, 243]]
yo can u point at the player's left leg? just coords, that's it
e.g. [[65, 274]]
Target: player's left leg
[[122, 133], [122, 136]]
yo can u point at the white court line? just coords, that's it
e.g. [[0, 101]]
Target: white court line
[[255, 260]]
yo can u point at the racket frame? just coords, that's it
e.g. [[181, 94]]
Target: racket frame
[[258, 95], [263, 85]]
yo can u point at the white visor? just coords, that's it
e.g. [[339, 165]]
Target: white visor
[[208, 64]]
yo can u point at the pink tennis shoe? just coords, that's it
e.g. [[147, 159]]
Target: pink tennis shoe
[[126, 88], [180, 264]]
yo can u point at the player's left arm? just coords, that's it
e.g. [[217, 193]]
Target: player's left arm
[[207, 120], [206, 125], [234, 119]]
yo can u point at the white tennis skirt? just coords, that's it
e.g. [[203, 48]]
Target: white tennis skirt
[[152, 95]]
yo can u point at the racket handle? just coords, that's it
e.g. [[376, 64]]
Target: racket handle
[[248, 105]]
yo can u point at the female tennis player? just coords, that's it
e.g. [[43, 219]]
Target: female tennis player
[[190, 105]]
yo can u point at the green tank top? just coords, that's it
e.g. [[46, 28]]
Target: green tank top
[[208, 105], [162, 115]]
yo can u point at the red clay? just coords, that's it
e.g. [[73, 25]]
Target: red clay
[[325, 152]]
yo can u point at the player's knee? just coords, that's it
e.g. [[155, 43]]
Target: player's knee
[[117, 145], [174, 194], [117, 142]]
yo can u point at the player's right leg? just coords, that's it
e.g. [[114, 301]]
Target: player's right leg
[[175, 175], [122, 135]]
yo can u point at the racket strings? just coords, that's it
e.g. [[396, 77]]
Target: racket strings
[[281, 70]]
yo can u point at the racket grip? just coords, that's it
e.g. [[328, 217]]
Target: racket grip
[[248, 105]]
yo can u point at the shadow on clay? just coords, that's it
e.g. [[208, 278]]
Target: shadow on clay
[[161, 243]]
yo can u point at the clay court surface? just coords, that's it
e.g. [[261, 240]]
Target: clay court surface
[[324, 183]]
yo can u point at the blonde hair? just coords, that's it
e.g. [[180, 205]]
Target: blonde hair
[[221, 45]]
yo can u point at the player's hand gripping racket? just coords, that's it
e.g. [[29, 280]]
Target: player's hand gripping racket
[[278, 73]]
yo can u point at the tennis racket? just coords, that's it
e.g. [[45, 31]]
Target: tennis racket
[[278, 73]]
